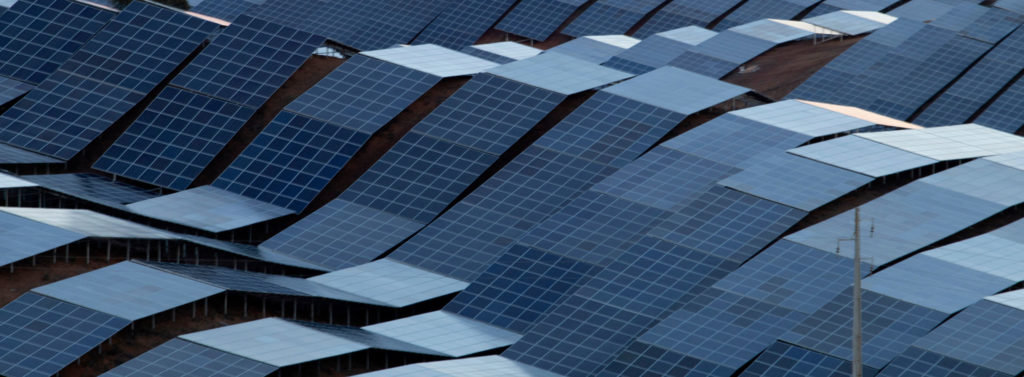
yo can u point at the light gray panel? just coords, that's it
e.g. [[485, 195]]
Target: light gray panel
[[447, 333], [677, 90], [394, 283], [433, 59], [559, 73], [209, 208]]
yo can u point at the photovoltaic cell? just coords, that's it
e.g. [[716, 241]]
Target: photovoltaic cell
[[446, 333], [596, 49], [227, 10], [467, 367], [433, 59], [208, 208], [916, 362], [925, 281], [108, 76], [502, 52], [94, 188], [42, 335], [1001, 114], [280, 343], [850, 22], [659, 49], [180, 356], [128, 290], [23, 238], [39, 36], [15, 155], [174, 139], [756, 10], [864, 156], [985, 334], [681, 13], [363, 93], [784, 358], [722, 53], [559, 73], [12, 89], [463, 22], [89, 223], [395, 283], [611, 17], [795, 181], [982, 82], [248, 61], [291, 161], [538, 19]]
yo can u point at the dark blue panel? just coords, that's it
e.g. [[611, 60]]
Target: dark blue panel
[[639, 359], [916, 362], [611, 17], [518, 288], [783, 359], [39, 335], [890, 326], [226, 10], [756, 10], [181, 357], [248, 61], [38, 36], [12, 89], [1004, 113], [363, 94], [462, 23], [291, 161], [64, 114], [681, 13], [665, 178], [606, 132], [174, 139], [538, 19]]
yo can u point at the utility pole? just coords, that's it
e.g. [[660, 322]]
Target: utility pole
[[858, 357]]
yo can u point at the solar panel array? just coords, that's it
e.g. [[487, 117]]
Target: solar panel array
[[726, 51], [502, 52], [103, 81], [463, 22], [39, 36], [659, 49], [755, 10], [11, 89], [611, 17], [679, 13], [182, 356], [181, 132], [227, 10], [596, 49], [538, 19], [93, 187]]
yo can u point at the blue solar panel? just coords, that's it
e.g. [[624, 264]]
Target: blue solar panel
[[890, 326], [248, 61], [363, 93], [977, 86], [174, 139], [611, 17], [606, 132], [923, 280], [752, 11], [681, 13], [354, 23], [105, 79], [36, 37], [689, 251], [40, 335], [227, 10], [12, 89], [659, 49], [916, 362], [986, 334], [186, 358], [462, 23], [502, 52], [538, 19], [796, 181], [94, 187], [291, 161], [1003, 113], [784, 359]]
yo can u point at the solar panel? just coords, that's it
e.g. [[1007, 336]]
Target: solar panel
[[980, 22], [15, 155], [975, 179], [951, 142], [990, 253], [918, 362], [890, 327], [251, 251], [208, 208], [722, 53], [89, 223], [985, 334], [128, 290], [611, 17], [679, 13], [10, 181], [445, 333], [1001, 113], [174, 139], [752, 11], [596, 49], [739, 140], [982, 82], [463, 22], [39, 36], [795, 181], [659, 49], [925, 281], [851, 22], [677, 90], [864, 156], [43, 335], [291, 161], [280, 343], [227, 10], [783, 357], [23, 238], [12, 89], [433, 59], [559, 73], [468, 367], [180, 356], [103, 81], [392, 282], [248, 61], [502, 52], [94, 188], [538, 19]]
